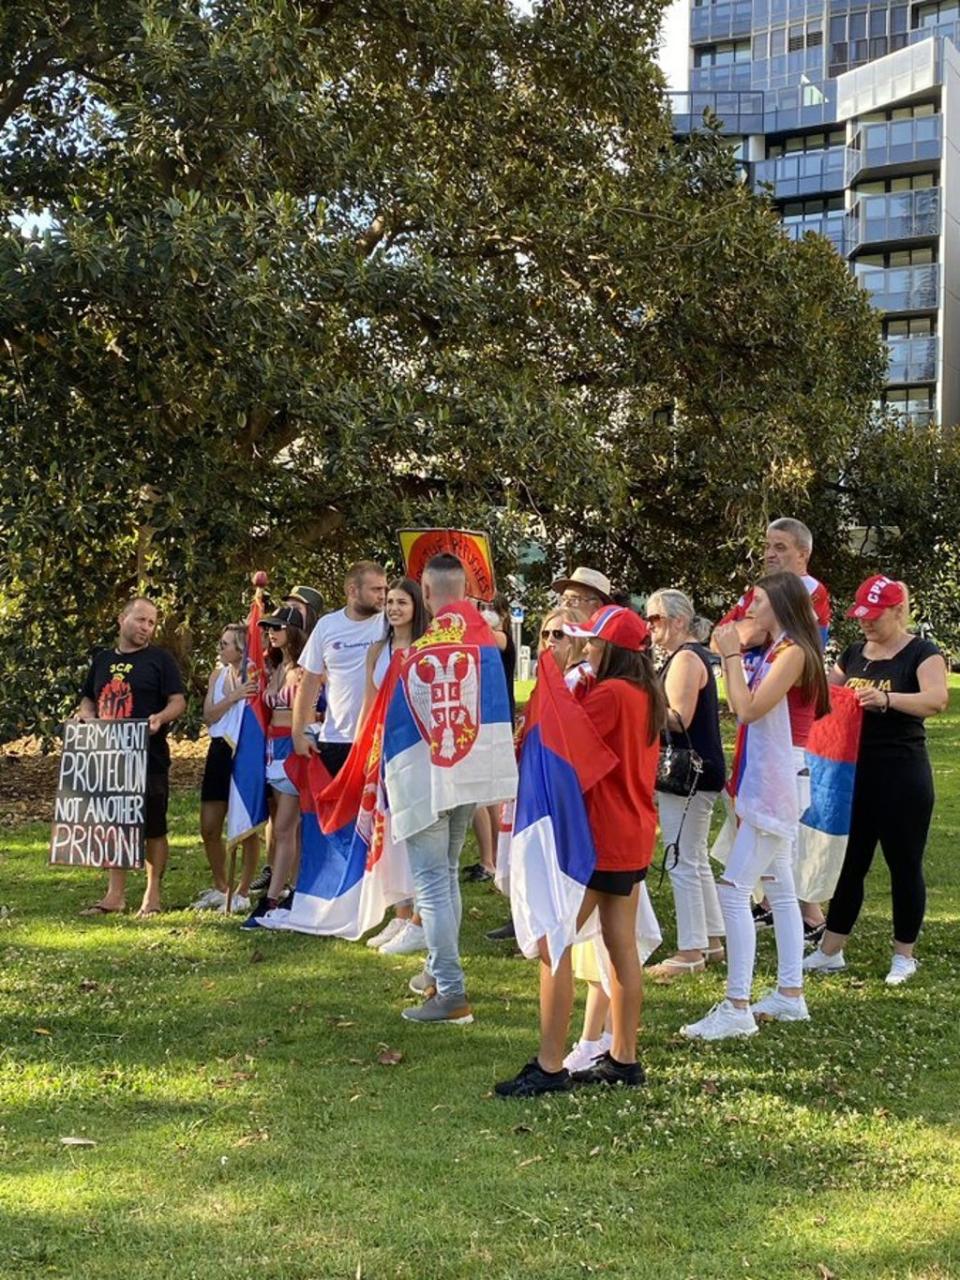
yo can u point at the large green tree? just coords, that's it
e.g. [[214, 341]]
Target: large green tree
[[313, 271]]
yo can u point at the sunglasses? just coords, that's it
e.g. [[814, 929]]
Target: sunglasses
[[550, 634], [272, 626], [654, 617]]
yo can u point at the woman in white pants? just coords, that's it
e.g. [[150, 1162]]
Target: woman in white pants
[[693, 714], [766, 802]]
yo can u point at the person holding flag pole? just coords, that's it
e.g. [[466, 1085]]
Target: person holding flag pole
[[583, 837]]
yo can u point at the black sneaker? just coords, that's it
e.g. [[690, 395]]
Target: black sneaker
[[762, 916], [253, 919], [532, 1080], [812, 933], [506, 933], [261, 880], [471, 872], [607, 1070]]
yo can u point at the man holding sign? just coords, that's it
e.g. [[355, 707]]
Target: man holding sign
[[136, 680]]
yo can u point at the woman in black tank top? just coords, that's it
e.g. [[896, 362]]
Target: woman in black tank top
[[691, 689]]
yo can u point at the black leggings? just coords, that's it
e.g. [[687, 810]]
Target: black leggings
[[892, 804]]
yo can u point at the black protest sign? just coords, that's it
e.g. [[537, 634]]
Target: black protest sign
[[99, 810]]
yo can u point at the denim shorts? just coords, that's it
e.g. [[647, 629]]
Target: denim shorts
[[279, 749]]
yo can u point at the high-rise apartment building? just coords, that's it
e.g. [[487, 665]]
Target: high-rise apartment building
[[849, 112]]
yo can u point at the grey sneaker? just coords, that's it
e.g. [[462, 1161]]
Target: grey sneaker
[[437, 1008], [423, 984]]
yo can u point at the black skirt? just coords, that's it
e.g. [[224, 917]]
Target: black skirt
[[619, 883], [215, 786]]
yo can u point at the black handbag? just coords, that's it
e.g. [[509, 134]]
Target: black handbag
[[679, 768]]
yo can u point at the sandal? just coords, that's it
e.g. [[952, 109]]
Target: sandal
[[714, 955], [98, 909], [669, 970], [145, 912]]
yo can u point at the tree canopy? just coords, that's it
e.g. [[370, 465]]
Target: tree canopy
[[311, 272]]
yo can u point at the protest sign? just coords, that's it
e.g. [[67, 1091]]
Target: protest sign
[[99, 809], [470, 547]]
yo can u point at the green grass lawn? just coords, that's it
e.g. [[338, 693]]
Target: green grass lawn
[[244, 1126]]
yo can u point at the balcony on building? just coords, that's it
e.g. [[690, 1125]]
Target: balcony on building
[[801, 106], [907, 145], [720, 21], [830, 225], [900, 216], [893, 289], [738, 113], [912, 359], [720, 79], [802, 173]]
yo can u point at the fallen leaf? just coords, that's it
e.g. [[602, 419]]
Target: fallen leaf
[[87, 984], [390, 1057], [711, 1087], [595, 1151], [42, 1031], [256, 957], [77, 1142], [824, 1272], [534, 1160], [522, 1128], [340, 1023]]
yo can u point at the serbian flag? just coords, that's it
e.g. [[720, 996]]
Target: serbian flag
[[831, 757], [552, 855], [351, 870], [448, 732], [247, 805]]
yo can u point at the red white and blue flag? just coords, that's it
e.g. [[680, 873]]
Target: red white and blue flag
[[247, 804], [552, 854], [351, 869], [448, 730], [831, 757]]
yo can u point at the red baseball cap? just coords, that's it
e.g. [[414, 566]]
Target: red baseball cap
[[875, 595], [619, 626]]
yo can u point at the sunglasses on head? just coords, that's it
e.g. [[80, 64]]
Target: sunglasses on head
[[550, 633]]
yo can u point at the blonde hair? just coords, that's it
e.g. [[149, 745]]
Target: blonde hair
[[571, 618]]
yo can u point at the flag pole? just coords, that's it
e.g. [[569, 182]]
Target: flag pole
[[259, 581]]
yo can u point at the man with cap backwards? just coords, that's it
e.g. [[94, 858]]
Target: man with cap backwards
[[585, 589], [787, 549], [624, 703], [899, 679]]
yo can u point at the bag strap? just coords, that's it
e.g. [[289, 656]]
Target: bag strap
[[662, 673]]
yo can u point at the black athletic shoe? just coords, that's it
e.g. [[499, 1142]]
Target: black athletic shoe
[[253, 919], [607, 1070], [261, 880], [471, 872], [762, 917], [506, 933], [812, 933], [532, 1080]]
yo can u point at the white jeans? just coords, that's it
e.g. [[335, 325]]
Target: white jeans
[[760, 855], [694, 888]]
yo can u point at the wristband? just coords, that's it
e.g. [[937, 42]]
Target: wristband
[[727, 656]]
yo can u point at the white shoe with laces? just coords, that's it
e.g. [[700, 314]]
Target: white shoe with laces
[[781, 1008], [723, 1022], [209, 900], [819, 962], [585, 1052], [901, 968], [393, 927], [238, 904], [409, 939]]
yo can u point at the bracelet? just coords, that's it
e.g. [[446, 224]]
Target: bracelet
[[727, 656], [886, 707]]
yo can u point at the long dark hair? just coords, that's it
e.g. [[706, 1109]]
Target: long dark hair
[[790, 601], [420, 620], [290, 652], [618, 663]]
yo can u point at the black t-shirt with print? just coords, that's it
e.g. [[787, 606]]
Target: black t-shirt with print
[[133, 686], [889, 735]]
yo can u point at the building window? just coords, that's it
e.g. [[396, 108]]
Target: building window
[[723, 54], [931, 15], [909, 182], [914, 327], [819, 141]]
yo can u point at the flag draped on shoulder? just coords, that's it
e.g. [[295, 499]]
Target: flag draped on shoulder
[[247, 803], [761, 780], [448, 732], [351, 869], [831, 757], [552, 854]]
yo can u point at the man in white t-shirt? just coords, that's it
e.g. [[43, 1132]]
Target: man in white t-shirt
[[337, 651]]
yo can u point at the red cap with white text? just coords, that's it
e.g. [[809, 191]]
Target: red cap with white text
[[875, 595], [619, 626]]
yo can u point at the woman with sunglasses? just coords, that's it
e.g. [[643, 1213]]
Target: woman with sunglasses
[[693, 718], [625, 703], [285, 638], [900, 679], [766, 800], [405, 620], [222, 713]]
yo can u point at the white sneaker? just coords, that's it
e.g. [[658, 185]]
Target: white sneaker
[[393, 927], [819, 962], [209, 900], [585, 1052], [901, 968], [781, 1008], [408, 939], [238, 904], [723, 1021]]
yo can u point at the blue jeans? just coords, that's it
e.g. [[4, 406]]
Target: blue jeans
[[434, 855]]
